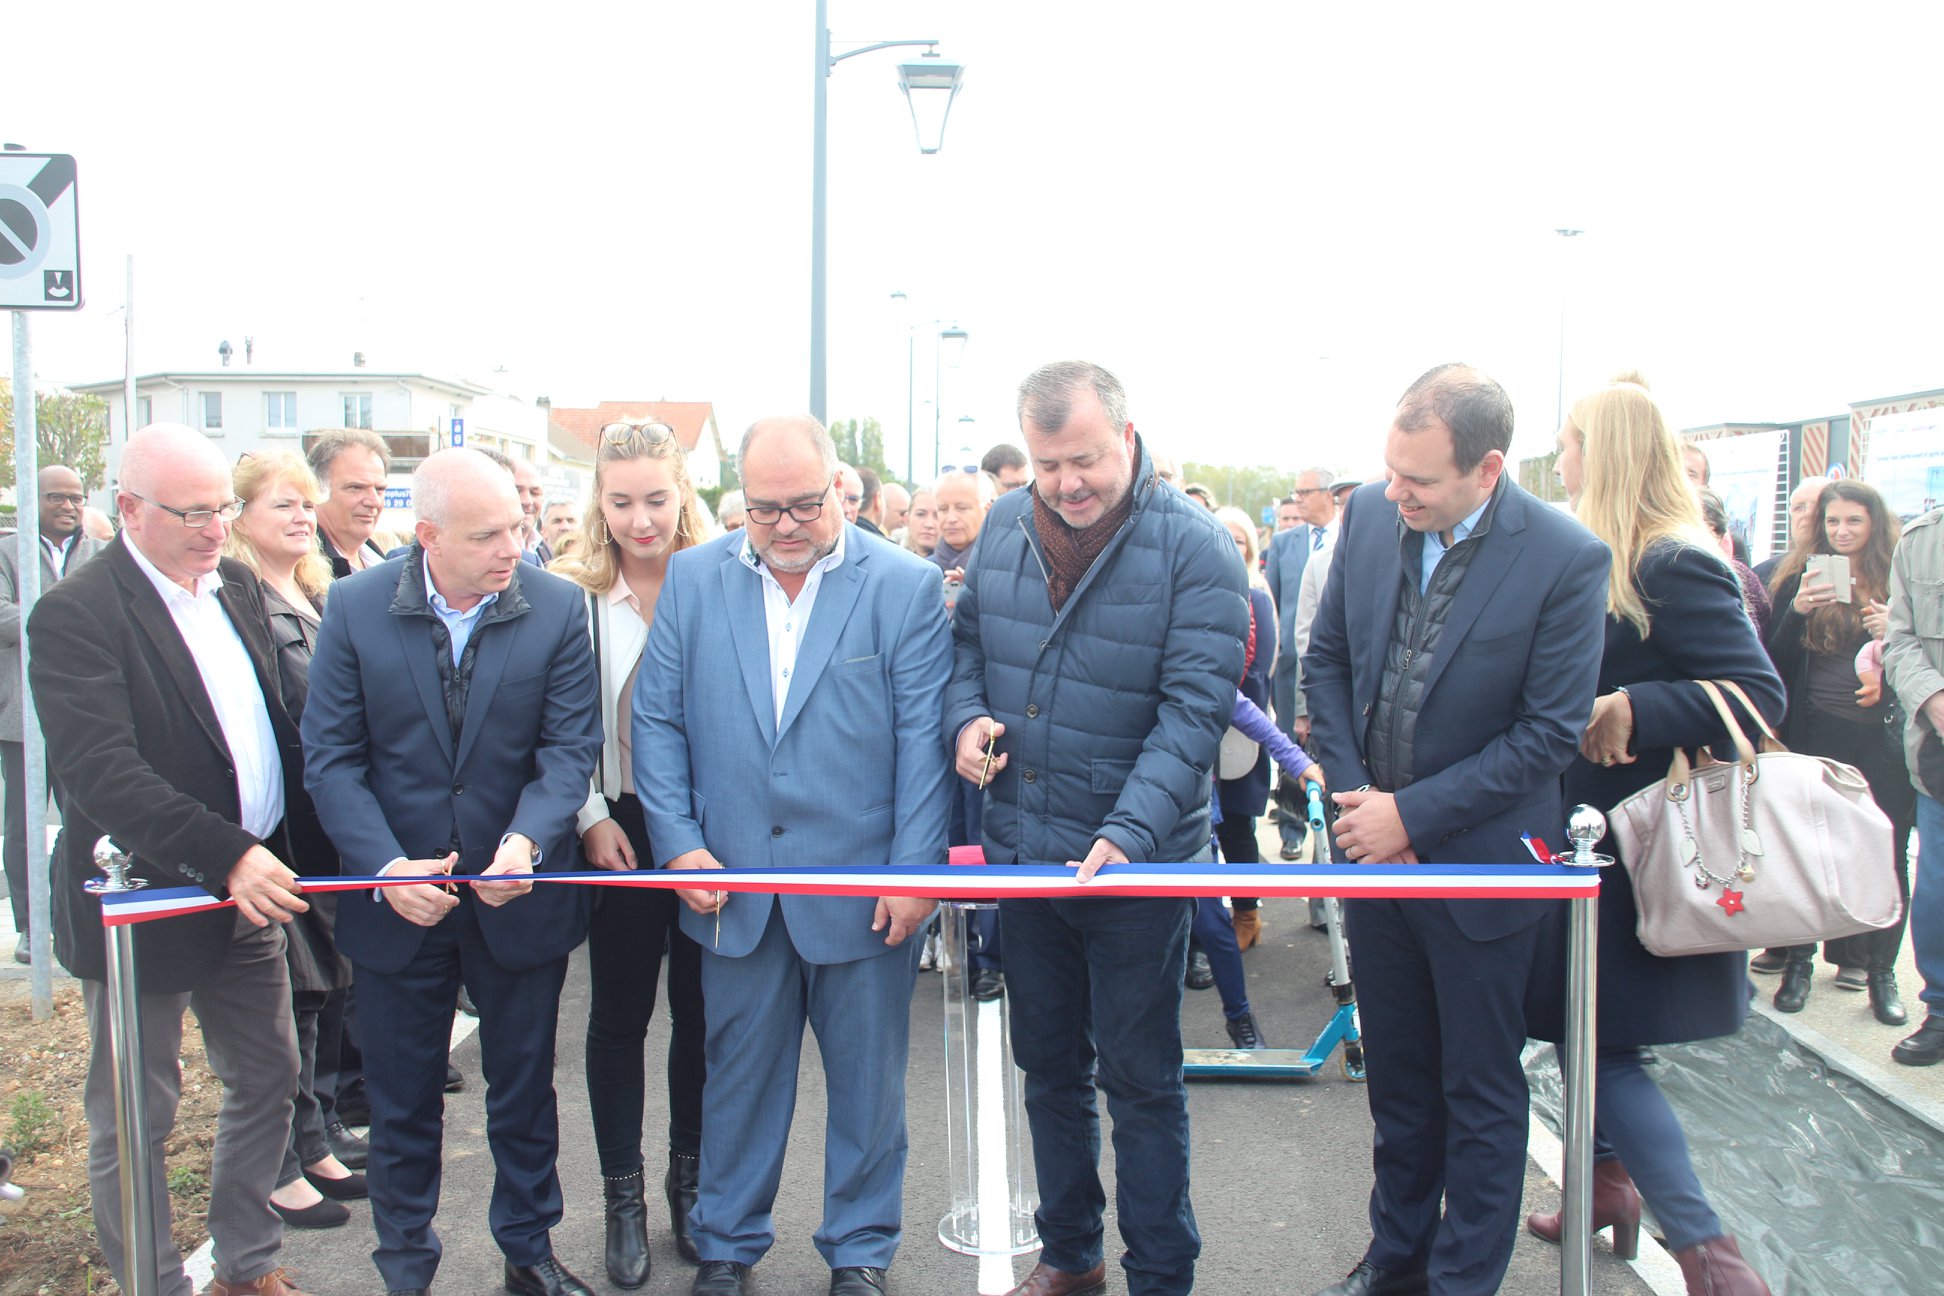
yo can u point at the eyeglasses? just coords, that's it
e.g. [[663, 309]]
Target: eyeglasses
[[57, 497], [771, 514], [853, 499], [624, 433], [1304, 492], [197, 519], [964, 468]]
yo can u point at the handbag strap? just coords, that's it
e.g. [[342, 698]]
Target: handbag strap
[[1770, 742], [1744, 750]]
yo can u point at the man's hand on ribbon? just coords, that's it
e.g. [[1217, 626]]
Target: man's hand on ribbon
[[1368, 830], [702, 902], [902, 914], [606, 847], [264, 889], [423, 903], [512, 862], [1103, 852]]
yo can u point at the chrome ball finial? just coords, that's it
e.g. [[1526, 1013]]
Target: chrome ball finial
[[1584, 828], [112, 860]]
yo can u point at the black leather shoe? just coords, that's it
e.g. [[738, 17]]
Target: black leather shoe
[[720, 1278], [1924, 1047], [454, 1081], [1200, 976], [1368, 1280], [466, 1005], [408, 1291], [350, 1188], [627, 1230], [354, 1112], [1242, 1032], [325, 1214], [987, 985], [857, 1280], [680, 1184], [346, 1146], [1793, 993], [1885, 1002], [23, 955], [548, 1278]]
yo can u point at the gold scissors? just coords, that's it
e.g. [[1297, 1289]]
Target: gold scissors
[[992, 746]]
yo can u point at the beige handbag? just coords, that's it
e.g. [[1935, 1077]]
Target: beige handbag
[[1773, 849]]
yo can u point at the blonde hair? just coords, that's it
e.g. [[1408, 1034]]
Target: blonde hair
[[594, 562], [1252, 550], [1634, 493], [255, 476]]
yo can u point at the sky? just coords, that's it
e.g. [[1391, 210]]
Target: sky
[[1265, 218]]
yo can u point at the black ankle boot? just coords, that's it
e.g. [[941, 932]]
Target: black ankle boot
[[1885, 1002], [1793, 993], [627, 1230], [683, 1170]]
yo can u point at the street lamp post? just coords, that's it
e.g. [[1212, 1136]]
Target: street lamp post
[[1559, 401], [924, 81], [956, 336]]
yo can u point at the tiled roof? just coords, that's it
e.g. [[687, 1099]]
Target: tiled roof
[[688, 418]]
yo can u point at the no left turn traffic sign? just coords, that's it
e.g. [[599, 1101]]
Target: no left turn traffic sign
[[40, 233]]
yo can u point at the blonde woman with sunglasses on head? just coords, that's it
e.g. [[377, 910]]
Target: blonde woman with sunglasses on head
[[644, 509]]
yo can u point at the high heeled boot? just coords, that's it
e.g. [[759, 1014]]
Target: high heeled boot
[[1616, 1203], [1793, 993], [684, 1170], [627, 1230], [1716, 1268]]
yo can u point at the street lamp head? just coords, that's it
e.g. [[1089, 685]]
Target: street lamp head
[[930, 83], [952, 342]]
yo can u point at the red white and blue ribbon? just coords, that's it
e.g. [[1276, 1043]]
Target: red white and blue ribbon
[[991, 881]]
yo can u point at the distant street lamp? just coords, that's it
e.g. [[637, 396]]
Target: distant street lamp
[[1559, 403], [952, 334], [929, 84], [955, 337]]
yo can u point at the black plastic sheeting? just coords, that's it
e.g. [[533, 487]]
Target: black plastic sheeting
[[1828, 1186]]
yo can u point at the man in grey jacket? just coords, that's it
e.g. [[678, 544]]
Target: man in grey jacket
[[1913, 666], [1098, 643], [62, 548]]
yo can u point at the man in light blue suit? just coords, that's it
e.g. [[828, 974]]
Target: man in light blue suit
[[779, 658]]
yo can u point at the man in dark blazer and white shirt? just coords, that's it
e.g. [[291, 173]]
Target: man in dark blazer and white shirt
[[1451, 670], [157, 690], [63, 546], [452, 727]]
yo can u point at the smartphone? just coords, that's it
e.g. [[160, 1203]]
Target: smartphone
[[1835, 569], [952, 587]]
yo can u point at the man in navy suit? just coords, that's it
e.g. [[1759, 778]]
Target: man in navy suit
[[452, 727], [779, 657], [1451, 670]]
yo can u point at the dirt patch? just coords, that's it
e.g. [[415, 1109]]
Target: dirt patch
[[47, 1240]]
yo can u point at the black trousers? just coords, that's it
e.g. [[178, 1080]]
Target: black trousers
[[630, 931], [1862, 745]]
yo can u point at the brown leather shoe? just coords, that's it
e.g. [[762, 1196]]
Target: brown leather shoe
[[1045, 1280], [275, 1283], [1248, 928], [1716, 1268]]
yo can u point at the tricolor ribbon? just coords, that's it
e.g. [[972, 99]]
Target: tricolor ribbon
[[988, 882]]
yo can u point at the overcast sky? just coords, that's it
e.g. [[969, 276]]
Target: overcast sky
[[1267, 218]]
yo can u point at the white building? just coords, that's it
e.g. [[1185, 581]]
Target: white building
[[247, 410]]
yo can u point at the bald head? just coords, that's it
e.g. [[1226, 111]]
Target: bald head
[[156, 449], [798, 428], [444, 479], [1802, 509], [61, 501]]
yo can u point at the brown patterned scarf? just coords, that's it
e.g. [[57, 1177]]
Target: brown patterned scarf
[[1072, 552]]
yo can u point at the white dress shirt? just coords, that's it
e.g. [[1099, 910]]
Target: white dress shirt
[[787, 620], [1309, 592], [231, 681]]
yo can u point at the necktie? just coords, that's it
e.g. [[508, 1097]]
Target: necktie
[[1316, 539]]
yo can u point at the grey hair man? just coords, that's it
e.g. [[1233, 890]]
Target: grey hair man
[[350, 464], [157, 687], [729, 511], [897, 508], [1289, 553], [850, 492]]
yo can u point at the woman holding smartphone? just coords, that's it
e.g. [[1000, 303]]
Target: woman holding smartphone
[[644, 510], [1815, 636]]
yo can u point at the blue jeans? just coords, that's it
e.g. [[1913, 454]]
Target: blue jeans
[[1633, 1121], [1095, 989], [1927, 903], [1216, 933]]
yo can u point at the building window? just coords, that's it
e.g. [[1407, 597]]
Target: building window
[[212, 411], [357, 410], [145, 410], [280, 410]]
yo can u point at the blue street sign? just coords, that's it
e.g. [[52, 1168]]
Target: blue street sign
[[458, 432], [398, 497]]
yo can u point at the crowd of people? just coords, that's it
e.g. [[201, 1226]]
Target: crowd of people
[[1060, 654]]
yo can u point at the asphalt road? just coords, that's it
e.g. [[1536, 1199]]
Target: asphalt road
[[1281, 1168]]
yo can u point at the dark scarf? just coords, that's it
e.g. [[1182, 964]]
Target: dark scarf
[[1072, 552]]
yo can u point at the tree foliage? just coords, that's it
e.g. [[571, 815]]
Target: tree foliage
[[860, 443], [69, 429], [1249, 489]]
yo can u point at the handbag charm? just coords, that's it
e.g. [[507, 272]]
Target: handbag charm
[[1747, 839]]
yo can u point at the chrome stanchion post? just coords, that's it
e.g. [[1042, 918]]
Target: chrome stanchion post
[[131, 1112], [1584, 827]]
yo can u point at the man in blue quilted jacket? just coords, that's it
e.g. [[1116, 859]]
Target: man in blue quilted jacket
[[1098, 640]]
